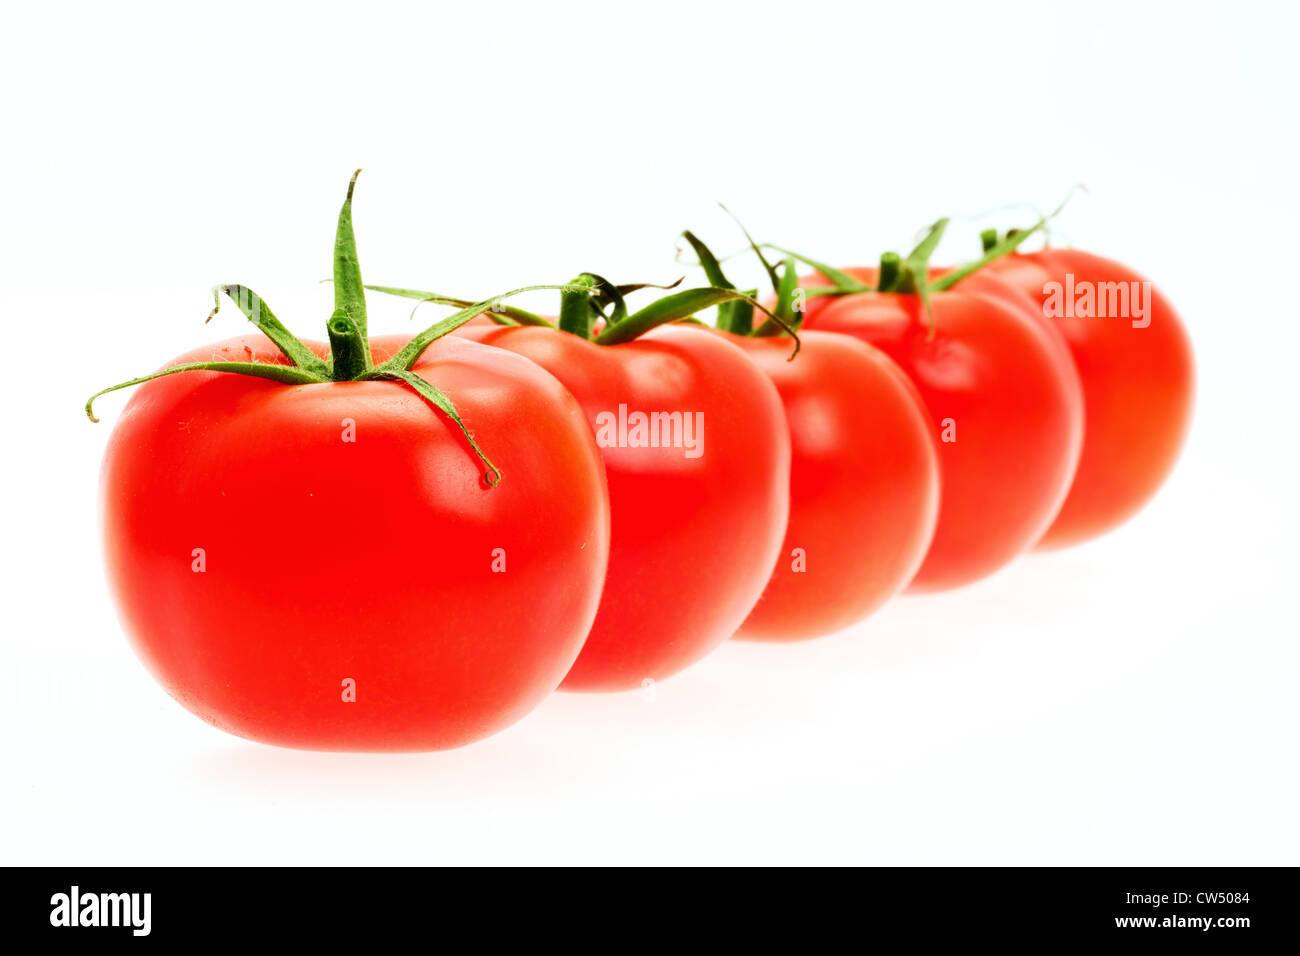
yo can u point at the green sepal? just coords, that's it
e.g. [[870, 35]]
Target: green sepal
[[737, 316], [630, 287], [914, 273], [286, 374], [843, 282], [259, 313], [786, 287], [757, 249], [349, 290], [413, 349], [438, 400], [728, 318], [507, 315], [605, 294], [675, 308], [1009, 243]]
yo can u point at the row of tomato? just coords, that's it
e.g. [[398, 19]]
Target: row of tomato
[[405, 543]]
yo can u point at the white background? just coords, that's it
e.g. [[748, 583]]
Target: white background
[[1131, 701]]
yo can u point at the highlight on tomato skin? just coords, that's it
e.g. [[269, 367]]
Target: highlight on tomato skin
[[1135, 361], [864, 484]]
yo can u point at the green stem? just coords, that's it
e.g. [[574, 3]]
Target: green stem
[[349, 351], [889, 269], [575, 305], [739, 315]]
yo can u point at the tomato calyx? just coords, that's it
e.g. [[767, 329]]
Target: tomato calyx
[[589, 297], [910, 275], [991, 238], [787, 312], [349, 358]]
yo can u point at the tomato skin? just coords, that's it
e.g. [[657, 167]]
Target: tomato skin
[[1138, 384], [1016, 411], [370, 560], [864, 484], [694, 539]]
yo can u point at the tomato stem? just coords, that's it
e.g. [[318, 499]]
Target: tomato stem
[[575, 306], [349, 351], [889, 268]]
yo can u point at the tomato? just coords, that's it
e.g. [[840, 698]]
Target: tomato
[[305, 546], [696, 530], [1138, 382], [1008, 409], [265, 565], [864, 484]]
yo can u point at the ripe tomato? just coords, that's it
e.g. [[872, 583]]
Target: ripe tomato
[[1008, 409], [307, 550], [274, 549], [696, 531], [864, 484], [1138, 382]]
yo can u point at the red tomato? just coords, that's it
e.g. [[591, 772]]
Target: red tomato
[[864, 484], [1138, 383], [1008, 409], [695, 532], [266, 567]]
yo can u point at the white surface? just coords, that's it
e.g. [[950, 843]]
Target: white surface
[[1132, 701]]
